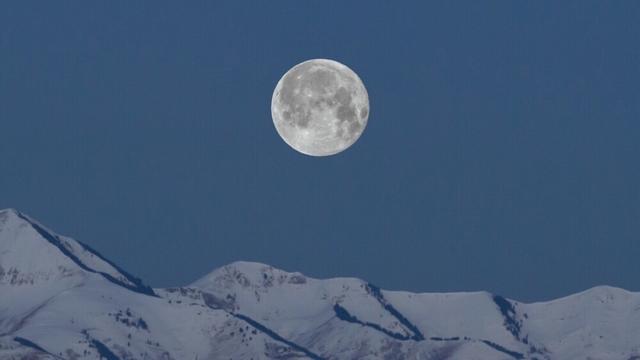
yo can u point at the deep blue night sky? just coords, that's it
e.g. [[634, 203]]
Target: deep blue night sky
[[501, 152]]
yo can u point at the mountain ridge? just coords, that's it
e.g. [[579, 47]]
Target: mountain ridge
[[63, 300]]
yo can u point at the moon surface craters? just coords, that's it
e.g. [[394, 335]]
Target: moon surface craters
[[320, 107]]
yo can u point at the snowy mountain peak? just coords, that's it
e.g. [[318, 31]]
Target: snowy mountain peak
[[606, 291], [31, 253], [7, 212], [9, 218], [249, 275]]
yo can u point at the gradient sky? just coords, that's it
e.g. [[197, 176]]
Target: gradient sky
[[502, 150]]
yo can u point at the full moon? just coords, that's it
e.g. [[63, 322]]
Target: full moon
[[320, 107]]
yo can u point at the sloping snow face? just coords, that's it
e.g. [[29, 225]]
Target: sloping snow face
[[47, 256], [59, 299]]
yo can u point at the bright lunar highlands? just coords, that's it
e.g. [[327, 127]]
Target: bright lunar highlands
[[320, 107]]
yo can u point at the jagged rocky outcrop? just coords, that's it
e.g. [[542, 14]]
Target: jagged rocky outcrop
[[60, 299]]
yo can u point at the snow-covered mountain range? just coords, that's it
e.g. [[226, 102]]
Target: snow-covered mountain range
[[59, 299]]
